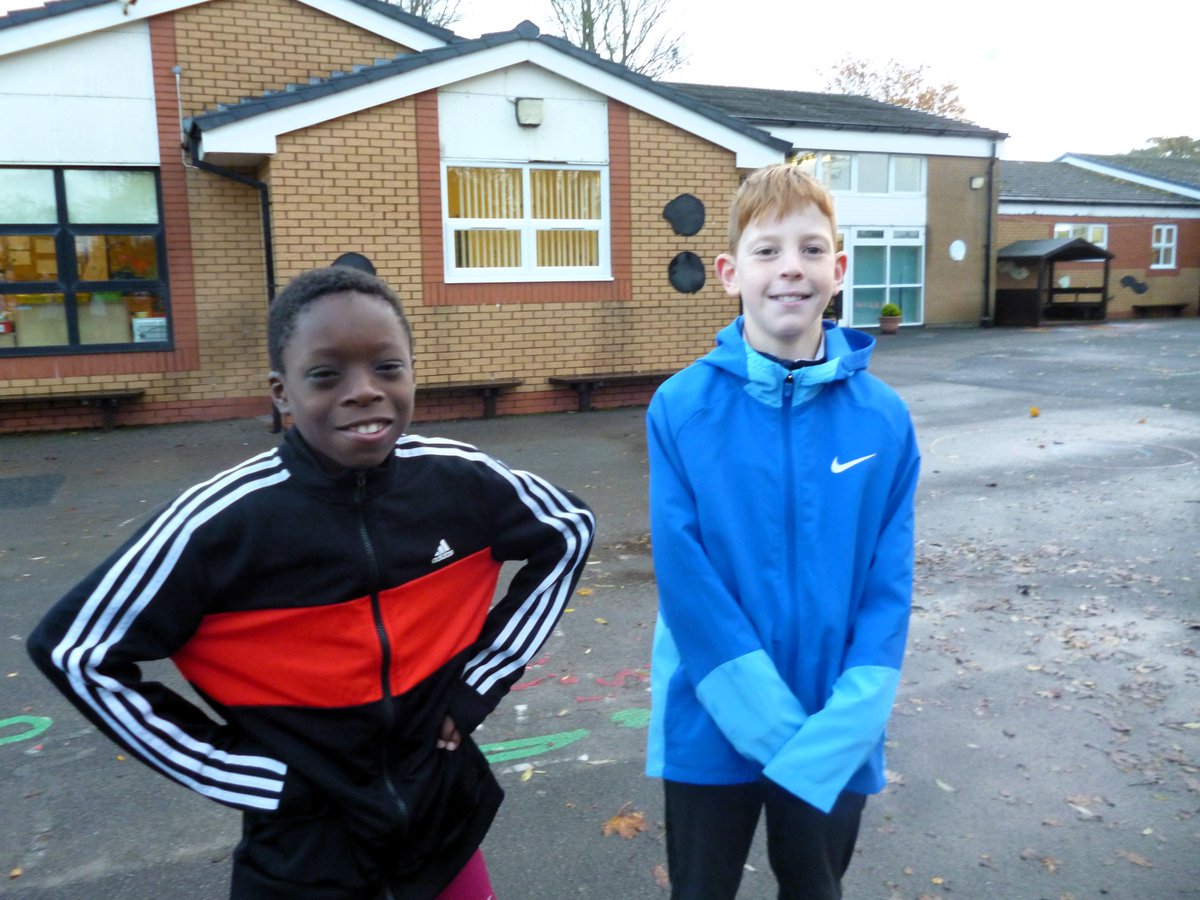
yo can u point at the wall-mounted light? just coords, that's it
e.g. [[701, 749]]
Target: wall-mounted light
[[529, 111], [977, 182]]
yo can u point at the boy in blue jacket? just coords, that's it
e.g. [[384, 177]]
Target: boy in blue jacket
[[781, 514]]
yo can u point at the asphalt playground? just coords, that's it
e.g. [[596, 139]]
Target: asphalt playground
[[1046, 736]]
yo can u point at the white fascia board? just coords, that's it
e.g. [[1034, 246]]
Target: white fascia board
[[377, 23], [257, 135], [1132, 177], [1097, 212], [66, 26], [863, 141]]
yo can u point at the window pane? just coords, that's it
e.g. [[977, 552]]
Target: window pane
[[909, 301], [564, 194], [97, 196], [867, 304], [103, 319], [872, 173], [835, 171], [484, 193], [100, 257], [27, 197], [487, 249], [807, 161], [39, 320], [870, 266], [568, 248], [28, 257], [906, 265], [906, 170]]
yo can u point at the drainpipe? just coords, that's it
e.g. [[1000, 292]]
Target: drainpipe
[[985, 320], [268, 246]]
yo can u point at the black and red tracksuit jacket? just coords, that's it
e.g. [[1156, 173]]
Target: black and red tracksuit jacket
[[331, 622]]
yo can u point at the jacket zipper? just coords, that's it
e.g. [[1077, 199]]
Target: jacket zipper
[[789, 482], [385, 644]]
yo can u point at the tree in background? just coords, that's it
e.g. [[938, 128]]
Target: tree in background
[[437, 12], [896, 84], [1181, 147], [630, 32]]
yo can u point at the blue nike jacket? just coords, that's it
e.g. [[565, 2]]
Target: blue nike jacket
[[781, 516]]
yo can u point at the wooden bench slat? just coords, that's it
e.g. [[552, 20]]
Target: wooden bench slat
[[488, 389], [107, 401], [585, 383]]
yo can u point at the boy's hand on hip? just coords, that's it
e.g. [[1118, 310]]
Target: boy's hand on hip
[[448, 736]]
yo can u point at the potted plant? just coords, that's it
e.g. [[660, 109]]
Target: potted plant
[[889, 319]]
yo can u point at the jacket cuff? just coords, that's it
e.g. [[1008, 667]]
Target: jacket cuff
[[468, 709]]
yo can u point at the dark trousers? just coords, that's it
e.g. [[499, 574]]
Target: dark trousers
[[710, 829]]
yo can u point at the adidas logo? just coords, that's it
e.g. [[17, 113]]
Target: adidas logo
[[443, 552]]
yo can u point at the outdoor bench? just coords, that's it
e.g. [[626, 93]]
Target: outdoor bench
[[1160, 310], [106, 400], [585, 384], [489, 389]]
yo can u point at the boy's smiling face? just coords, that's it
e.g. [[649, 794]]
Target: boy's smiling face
[[786, 270], [347, 379]]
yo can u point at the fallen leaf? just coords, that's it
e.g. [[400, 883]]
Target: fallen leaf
[[660, 877], [1034, 412], [626, 824], [16, 873], [1136, 858], [949, 788], [584, 592], [602, 621]]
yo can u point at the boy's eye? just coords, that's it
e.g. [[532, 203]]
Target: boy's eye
[[391, 367], [322, 375]]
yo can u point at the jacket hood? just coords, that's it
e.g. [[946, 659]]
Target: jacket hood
[[847, 353]]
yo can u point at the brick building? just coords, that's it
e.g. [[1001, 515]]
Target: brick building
[[180, 159]]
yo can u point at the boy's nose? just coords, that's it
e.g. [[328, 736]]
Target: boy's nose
[[361, 388]]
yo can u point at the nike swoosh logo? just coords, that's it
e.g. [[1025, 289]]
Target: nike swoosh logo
[[838, 467]]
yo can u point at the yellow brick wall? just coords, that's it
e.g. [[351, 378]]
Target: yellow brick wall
[[665, 328], [351, 185], [954, 290], [236, 48]]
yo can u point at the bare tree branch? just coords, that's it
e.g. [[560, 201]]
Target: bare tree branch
[[896, 84], [630, 32], [437, 12]]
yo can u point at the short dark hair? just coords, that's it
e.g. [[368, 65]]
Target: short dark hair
[[313, 285]]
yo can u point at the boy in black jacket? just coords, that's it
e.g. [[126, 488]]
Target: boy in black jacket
[[330, 601]]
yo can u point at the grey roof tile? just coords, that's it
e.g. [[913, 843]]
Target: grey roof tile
[[764, 106], [1182, 172], [1064, 183]]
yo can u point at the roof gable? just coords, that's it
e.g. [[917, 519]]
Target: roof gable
[[249, 129], [61, 20]]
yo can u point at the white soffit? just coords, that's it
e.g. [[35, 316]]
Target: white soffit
[[69, 25], [257, 134], [866, 141], [1087, 211]]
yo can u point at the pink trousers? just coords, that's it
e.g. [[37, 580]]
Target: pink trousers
[[472, 883]]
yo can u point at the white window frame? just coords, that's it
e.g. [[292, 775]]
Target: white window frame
[[528, 228], [1164, 239], [1083, 230], [882, 236], [817, 170]]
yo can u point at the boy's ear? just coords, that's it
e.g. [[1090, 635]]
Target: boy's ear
[[839, 268], [727, 272], [279, 392]]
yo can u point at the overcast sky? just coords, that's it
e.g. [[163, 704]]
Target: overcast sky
[[1058, 77]]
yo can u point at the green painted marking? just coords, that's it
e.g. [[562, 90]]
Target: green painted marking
[[35, 725], [632, 718], [531, 746]]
